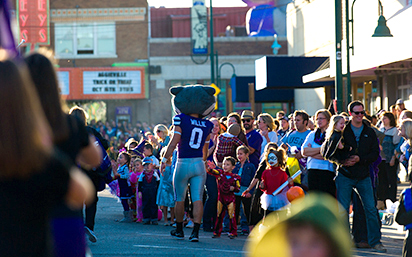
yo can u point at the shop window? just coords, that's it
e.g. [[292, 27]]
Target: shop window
[[403, 86], [85, 40]]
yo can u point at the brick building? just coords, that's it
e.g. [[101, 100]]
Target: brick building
[[101, 49]]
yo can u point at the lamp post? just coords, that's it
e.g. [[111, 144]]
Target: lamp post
[[212, 54], [381, 31]]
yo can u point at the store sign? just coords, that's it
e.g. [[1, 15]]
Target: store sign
[[124, 110], [64, 82], [199, 27], [34, 21], [112, 82]]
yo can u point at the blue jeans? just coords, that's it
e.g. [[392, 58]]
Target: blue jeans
[[344, 186]]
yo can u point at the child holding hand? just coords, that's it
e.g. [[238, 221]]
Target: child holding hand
[[148, 184], [227, 183], [121, 173], [136, 202], [272, 179]]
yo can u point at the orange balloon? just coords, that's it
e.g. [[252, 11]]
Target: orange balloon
[[295, 192]]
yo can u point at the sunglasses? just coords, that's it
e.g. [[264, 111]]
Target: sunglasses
[[357, 113], [158, 131], [246, 120]]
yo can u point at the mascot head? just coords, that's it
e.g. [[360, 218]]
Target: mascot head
[[196, 99]]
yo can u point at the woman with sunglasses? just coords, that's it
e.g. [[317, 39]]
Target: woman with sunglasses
[[160, 139], [387, 187]]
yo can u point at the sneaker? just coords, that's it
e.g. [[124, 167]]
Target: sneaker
[[146, 222], [174, 225], [231, 236], [379, 248], [194, 237], [190, 224], [177, 234], [155, 223], [90, 234], [245, 233], [215, 235]]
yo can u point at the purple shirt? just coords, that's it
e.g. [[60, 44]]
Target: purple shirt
[[254, 139], [194, 134]]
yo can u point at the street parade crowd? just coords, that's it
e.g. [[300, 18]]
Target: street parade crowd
[[229, 176]]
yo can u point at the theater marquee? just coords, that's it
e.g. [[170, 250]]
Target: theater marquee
[[103, 83], [112, 82]]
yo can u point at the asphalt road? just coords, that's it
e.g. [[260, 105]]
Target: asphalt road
[[134, 239]]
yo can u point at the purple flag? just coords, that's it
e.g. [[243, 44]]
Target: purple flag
[[6, 36]]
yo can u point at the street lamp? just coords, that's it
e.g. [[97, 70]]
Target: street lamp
[[381, 31]]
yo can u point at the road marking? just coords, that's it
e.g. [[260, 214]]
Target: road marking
[[189, 248]]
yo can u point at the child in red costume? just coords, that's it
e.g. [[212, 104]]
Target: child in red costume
[[228, 183], [272, 179]]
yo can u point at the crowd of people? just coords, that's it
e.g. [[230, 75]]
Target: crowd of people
[[239, 167], [354, 157]]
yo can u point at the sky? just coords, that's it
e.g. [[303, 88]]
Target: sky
[[188, 3]]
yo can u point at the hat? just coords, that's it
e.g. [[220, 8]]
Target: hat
[[284, 118], [248, 114], [399, 101], [234, 129], [147, 160], [319, 211]]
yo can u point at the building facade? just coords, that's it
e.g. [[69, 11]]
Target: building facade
[[380, 67]]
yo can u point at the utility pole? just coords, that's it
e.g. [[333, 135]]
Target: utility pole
[[338, 48]]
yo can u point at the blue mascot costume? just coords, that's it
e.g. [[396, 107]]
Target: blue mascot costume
[[191, 135]]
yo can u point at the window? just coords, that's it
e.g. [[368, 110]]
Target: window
[[403, 86], [85, 40]]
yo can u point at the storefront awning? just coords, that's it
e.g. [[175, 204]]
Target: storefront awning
[[240, 92], [285, 72]]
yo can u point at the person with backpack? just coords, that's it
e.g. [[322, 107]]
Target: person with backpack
[[97, 175]]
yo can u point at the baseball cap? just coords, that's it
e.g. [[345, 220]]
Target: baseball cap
[[399, 101], [147, 160], [248, 114]]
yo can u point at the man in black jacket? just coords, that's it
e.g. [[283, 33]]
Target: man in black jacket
[[355, 171]]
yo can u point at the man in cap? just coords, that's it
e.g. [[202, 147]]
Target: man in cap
[[254, 139]]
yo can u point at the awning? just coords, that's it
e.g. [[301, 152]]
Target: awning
[[240, 92], [285, 72]]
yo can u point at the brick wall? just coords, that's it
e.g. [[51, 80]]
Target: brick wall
[[131, 36]]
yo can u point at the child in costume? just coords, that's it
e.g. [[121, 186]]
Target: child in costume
[[148, 184], [165, 193], [227, 183], [404, 217], [272, 179], [121, 173], [225, 144], [135, 203]]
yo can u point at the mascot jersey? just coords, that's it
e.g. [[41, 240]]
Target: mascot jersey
[[194, 134]]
